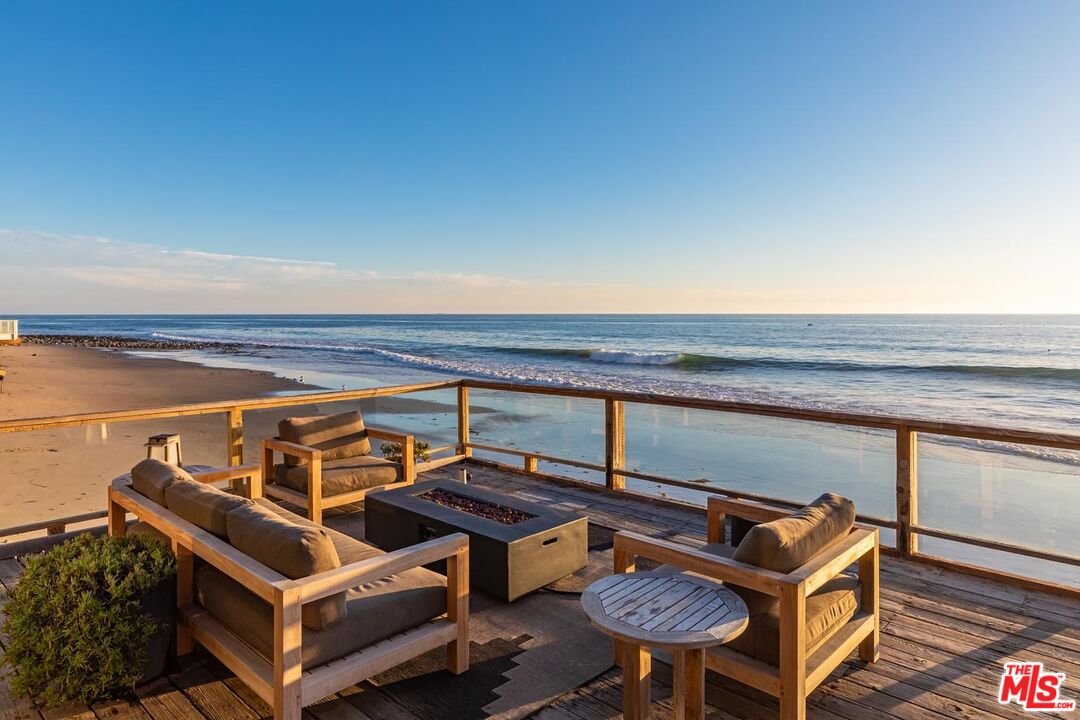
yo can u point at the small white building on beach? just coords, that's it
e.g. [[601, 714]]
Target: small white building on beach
[[9, 331]]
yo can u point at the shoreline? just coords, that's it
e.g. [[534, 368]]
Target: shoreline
[[388, 364], [203, 353]]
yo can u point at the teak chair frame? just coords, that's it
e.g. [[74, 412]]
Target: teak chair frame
[[282, 681], [314, 502], [797, 674]]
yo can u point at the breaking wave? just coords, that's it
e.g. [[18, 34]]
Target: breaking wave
[[694, 361], [676, 360]]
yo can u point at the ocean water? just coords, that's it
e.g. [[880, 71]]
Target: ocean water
[[1009, 371]]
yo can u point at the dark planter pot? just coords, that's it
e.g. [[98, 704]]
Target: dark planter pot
[[160, 604]]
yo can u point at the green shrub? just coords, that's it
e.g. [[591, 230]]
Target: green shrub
[[392, 451], [74, 627]]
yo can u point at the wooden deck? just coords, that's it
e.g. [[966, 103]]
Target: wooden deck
[[944, 638]]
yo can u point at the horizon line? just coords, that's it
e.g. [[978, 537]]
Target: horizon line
[[16, 316]]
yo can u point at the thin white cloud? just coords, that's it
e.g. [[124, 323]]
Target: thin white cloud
[[225, 257], [150, 279], [481, 281], [118, 275]]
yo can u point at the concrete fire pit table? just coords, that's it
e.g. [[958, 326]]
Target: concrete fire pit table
[[515, 546]]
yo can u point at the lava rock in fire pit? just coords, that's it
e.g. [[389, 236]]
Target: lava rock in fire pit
[[491, 511]]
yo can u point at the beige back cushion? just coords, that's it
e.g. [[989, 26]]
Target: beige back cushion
[[203, 505], [338, 436], [152, 477], [789, 543], [295, 551]]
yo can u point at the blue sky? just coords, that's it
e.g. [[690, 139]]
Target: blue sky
[[548, 156]]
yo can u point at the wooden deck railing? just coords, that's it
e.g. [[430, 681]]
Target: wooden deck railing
[[906, 523]]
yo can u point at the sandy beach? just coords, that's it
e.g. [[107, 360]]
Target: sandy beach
[[45, 380], [63, 472], [47, 474]]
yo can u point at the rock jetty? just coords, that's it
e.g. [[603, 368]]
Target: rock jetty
[[118, 342]]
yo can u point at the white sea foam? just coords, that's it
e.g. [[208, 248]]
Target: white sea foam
[[496, 369], [629, 357]]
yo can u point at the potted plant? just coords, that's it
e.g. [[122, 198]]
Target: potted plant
[[91, 618], [392, 451]]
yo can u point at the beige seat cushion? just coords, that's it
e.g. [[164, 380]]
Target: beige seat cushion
[[203, 505], [832, 605], [789, 543], [348, 549], [342, 476], [375, 611], [295, 551], [337, 436], [151, 477]]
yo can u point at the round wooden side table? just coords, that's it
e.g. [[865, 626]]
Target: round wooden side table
[[678, 612]]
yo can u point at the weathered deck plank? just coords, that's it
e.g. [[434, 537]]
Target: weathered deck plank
[[209, 695], [163, 701]]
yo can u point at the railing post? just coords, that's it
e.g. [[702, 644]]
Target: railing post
[[408, 459], [614, 444], [463, 421], [234, 437], [234, 442], [907, 490], [185, 593]]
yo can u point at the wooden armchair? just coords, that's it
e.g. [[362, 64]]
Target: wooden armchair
[[801, 667], [268, 648], [328, 462]]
